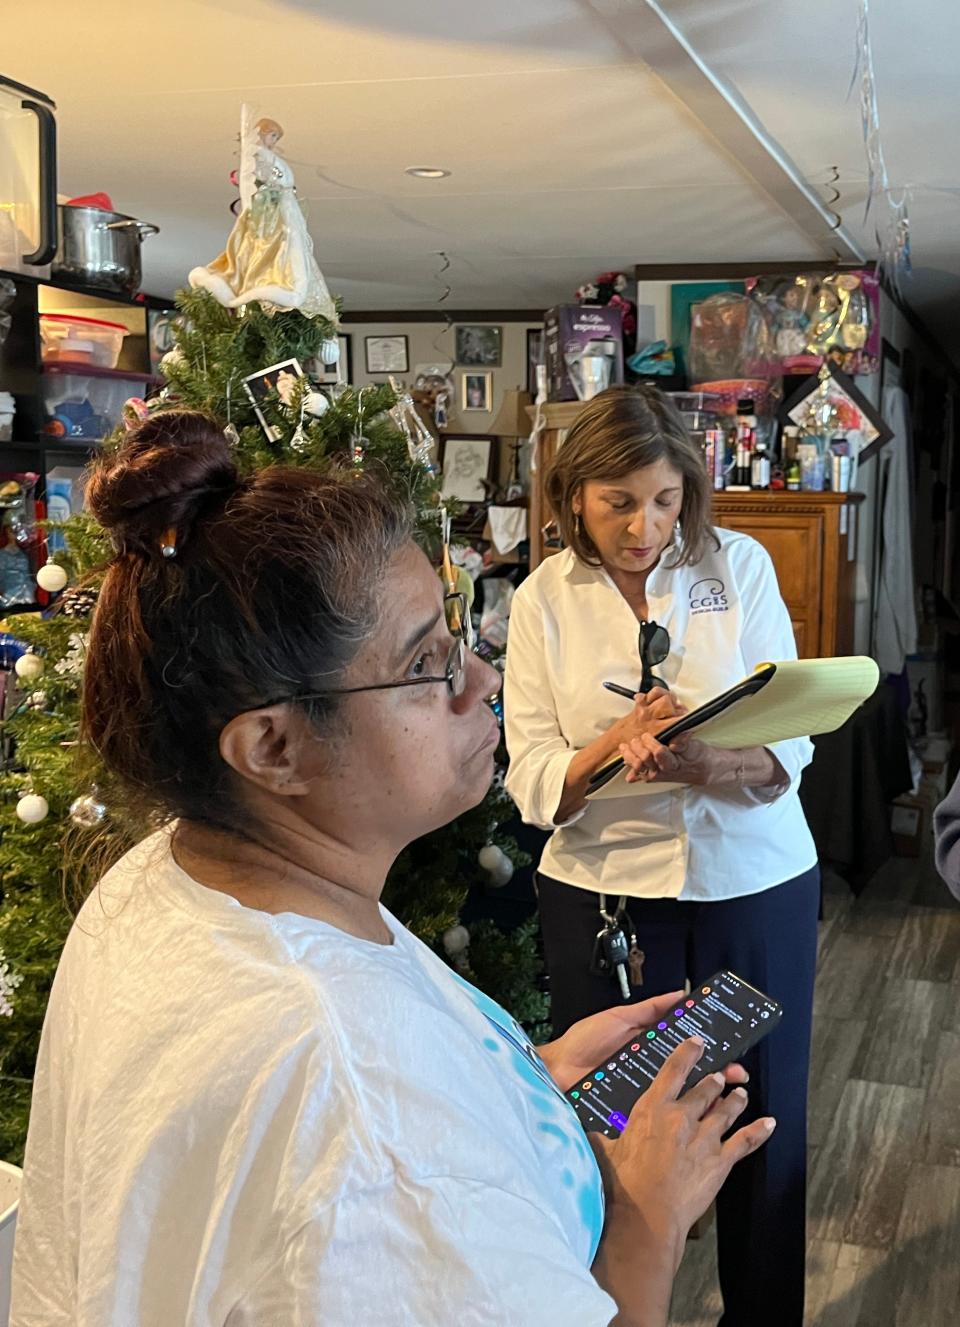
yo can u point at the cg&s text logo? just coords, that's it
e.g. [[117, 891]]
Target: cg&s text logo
[[708, 596]]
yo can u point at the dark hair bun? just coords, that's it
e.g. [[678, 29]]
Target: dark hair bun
[[166, 473]]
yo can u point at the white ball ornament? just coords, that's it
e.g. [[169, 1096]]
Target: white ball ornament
[[456, 940], [316, 404], [52, 578], [29, 667], [503, 873], [330, 350], [32, 808], [490, 856]]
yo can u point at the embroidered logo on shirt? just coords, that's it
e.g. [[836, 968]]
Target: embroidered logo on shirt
[[708, 596]]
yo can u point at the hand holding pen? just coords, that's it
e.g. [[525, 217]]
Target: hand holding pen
[[651, 712]]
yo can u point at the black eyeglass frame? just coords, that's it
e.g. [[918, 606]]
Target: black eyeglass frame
[[455, 675], [654, 648]]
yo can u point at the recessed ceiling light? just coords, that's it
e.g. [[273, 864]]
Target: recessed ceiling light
[[427, 172]]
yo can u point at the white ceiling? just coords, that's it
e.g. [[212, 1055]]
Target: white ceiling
[[568, 155]]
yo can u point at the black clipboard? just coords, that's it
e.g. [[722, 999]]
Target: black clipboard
[[748, 687]]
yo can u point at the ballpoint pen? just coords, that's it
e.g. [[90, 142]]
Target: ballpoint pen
[[620, 691]]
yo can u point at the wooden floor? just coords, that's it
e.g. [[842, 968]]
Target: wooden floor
[[884, 1191]]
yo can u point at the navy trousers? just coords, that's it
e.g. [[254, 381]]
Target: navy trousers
[[769, 939]]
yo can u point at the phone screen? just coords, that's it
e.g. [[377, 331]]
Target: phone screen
[[727, 1012]]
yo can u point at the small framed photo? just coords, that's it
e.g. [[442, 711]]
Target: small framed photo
[[386, 354], [277, 380], [328, 375], [478, 346], [465, 462], [162, 325], [476, 391]]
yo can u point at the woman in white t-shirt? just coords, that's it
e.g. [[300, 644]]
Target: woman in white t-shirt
[[259, 1099], [708, 858]]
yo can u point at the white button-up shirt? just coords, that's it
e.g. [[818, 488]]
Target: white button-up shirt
[[570, 630]]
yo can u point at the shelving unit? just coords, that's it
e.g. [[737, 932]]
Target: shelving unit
[[31, 450]]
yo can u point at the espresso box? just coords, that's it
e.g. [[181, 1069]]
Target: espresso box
[[567, 329]]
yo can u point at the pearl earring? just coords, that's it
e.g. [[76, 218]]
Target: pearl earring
[[576, 524]]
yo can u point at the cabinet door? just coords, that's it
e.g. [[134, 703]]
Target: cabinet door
[[795, 543]]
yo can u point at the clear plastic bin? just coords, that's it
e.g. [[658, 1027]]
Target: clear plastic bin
[[85, 406], [68, 339]]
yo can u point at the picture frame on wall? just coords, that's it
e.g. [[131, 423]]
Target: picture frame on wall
[[844, 395], [535, 356], [386, 354], [476, 391], [478, 346], [327, 375], [465, 462]]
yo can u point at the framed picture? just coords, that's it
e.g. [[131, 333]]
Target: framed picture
[[476, 391], [478, 346], [830, 400], [272, 381], [161, 326], [535, 356], [327, 375], [386, 354], [465, 462], [684, 298]]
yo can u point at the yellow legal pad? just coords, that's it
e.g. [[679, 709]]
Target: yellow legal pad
[[796, 698]]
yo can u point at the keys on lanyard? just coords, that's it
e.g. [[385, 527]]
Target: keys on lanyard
[[615, 950]]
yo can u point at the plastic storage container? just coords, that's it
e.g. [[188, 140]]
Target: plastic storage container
[[85, 406], [7, 411], [73, 340], [66, 485]]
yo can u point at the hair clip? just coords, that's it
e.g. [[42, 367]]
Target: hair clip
[[168, 545]]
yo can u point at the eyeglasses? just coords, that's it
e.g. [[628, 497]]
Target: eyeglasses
[[654, 648], [455, 677]]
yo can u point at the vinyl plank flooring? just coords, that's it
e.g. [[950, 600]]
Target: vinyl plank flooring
[[901, 1044], [928, 1270], [838, 1278], [939, 1141], [836, 1043], [928, 946], [847, 983], [696, 1296], [860, 1171]]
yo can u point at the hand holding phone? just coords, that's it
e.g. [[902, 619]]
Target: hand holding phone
[[729, 1014]]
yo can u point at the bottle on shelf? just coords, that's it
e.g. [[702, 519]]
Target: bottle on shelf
[[716, 456], [793, 476], [745, 440], [760, 466]]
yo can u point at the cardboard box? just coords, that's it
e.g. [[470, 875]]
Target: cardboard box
[[911, 819], [568, 330]]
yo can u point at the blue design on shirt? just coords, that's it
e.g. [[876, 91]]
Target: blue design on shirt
[[564, 1124]]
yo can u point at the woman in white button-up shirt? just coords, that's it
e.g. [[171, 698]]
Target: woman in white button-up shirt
[[709, 854]]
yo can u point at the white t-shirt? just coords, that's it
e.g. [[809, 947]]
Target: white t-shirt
[[570, 631], [261, 1121]]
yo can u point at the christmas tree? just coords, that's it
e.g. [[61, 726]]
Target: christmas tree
[[57, 833]]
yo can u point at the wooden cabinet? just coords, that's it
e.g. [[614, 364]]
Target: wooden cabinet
[[811, 539], [809, 536]]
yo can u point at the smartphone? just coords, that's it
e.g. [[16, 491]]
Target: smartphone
[[727, 1012]]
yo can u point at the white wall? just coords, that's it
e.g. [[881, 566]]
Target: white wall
[[429, 343]]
